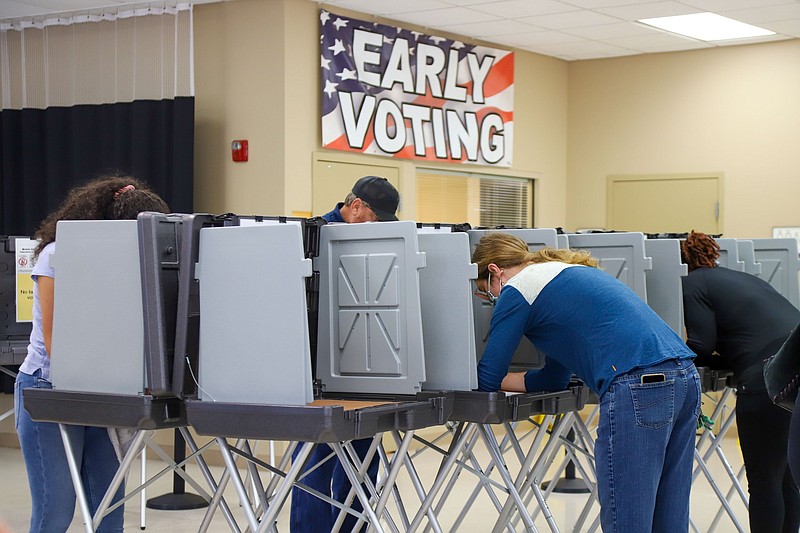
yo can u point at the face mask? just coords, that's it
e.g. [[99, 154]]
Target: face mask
[[488, 292]]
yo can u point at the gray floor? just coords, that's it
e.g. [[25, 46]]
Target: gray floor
[[15, 500]]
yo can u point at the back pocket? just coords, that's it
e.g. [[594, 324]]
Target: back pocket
[[653, 403]]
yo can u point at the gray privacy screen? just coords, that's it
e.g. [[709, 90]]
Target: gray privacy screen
[[779, 266], [370, 324], [747, 254], [446, 286], [729, 255], [254, 345], [664, 285], [98, 328], [620, 254], [526, 356]]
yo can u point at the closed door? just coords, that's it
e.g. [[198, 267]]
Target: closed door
[[665, 204]]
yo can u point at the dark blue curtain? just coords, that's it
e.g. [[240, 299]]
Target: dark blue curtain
[[45, 152]]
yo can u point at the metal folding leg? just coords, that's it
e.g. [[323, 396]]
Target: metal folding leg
[[141, 441], [478, 416], [577, 451], [92, 521], [534, 463], [723, 418], [380, 492], [327, 424], [485, 483]]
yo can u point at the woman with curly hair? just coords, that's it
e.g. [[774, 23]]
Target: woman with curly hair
[[735, 320], [590, 324], [52, 493]]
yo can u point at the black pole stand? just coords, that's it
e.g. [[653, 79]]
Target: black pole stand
[[569, 484], [178, 499]]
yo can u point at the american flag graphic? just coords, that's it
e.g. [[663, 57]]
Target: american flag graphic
[[401, 93]]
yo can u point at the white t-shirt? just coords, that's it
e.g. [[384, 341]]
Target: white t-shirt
[[37, 355]]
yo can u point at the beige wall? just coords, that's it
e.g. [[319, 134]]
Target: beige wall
[[239, 94], [257, 63], [733, 110]]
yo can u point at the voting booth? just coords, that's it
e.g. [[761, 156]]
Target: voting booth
[[747, 255], [780, 266], [122, 277], [16, 304], [527, 356], [663, 281], [729, 254], [370, 321], [446, 285], [620, 254]]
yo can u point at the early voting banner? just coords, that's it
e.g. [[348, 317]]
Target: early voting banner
[[402, 93]]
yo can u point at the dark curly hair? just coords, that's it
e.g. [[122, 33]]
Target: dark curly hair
[[699, 250], [104, 198]]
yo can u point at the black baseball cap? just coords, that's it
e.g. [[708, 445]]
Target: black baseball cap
[[381, 196]]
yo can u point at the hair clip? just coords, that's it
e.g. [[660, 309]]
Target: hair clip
[[123, 190]]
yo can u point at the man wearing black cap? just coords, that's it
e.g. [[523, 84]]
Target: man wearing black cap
[[372, 199]]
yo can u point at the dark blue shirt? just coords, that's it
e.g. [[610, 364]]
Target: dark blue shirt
[[335, 215]]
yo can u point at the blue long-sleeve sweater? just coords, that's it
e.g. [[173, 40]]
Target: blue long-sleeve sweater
[[586, 323]]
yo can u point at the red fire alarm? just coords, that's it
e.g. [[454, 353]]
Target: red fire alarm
[[239, 150]]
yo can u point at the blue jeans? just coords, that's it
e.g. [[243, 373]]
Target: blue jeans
[[645, 448], [52, 493], [309, 514]]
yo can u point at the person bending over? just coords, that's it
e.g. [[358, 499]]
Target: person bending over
[[52, 493], [735, 320], [589, 324], [372, 199]]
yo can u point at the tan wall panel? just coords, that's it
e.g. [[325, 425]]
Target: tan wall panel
[[730, 109], [239, 80]]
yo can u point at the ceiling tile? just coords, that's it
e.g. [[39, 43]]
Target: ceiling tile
[[18, 9], [491, 28], [70, 5], [784, 27], [540, 37], [752, 40], [450, 15], [610, 31], [388, 8], [468, 3], [765, 14], [593, 4], [571, 19], [659, 42], [719, 5], [583, 48], [512, 9], [602, 54], [649, 10]]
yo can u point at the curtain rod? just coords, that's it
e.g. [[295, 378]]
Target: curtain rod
[[94, 15]]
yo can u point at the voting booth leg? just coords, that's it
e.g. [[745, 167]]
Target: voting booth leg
[[569, 484], [178, 499]]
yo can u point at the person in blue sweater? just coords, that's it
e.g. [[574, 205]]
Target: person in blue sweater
[[589, 324], [372, 199]]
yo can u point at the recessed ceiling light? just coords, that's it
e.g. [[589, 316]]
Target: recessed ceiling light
[[707, 27]]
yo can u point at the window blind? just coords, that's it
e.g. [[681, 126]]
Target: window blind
[[479, 199]]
